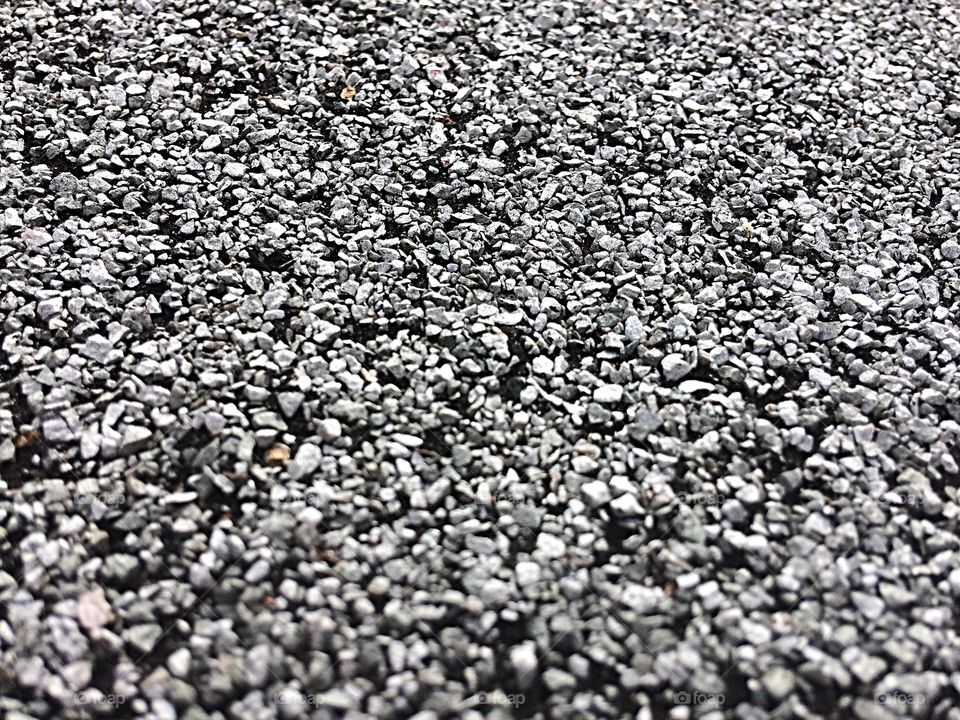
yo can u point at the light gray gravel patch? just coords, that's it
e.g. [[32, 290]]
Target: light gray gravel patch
[[430, 360]]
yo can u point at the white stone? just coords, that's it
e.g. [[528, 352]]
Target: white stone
[[865, 302], [675, 366], [235, 169], [608, 394], [595, 493], [551, 545], [626, 505], [274, 229], [330, 429], [179, 662], [584, 464], [692, 386], [306, 460], [93, 610], [495, 592], [527, 573], [641, 599], [524, 659]]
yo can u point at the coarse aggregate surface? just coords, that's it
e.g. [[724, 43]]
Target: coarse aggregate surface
[[479, 359]]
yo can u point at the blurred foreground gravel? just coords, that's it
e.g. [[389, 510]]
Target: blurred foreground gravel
[[485, 359]]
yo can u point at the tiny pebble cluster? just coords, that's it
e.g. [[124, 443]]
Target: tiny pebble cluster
[[544, 359]]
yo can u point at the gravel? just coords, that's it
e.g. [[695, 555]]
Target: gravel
[[431, 360]]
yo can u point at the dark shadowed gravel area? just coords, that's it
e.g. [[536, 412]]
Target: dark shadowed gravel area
[[426, 359]]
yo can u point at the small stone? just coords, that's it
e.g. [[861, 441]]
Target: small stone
[[253, 280], [865, 302], [864, 667], [269, 420], [779, 682], [89, 442], [64, 184], [96, 273], [50, 307], [77, 674], [608, 394], [349, 410], [871, 606], [818, 525], [626, 506], [527, 573], [675, 366], [257, 572], [56, 431], [551, 545], [180, 498], [379, 586], [93, 610], [134, 439], [306, 460], [99, 348], [749, 495], [120, 569], [290, 403], [330, 429], [274, 229], [584, 464], [495, 593], [524, 659], [235, 169], [179, 662], [641, 599], [694, 386], [213, 379], [410, 441], [7, 450], [558, 680], [595, 493], [143, 638]]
